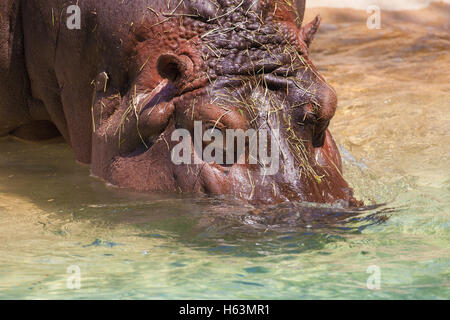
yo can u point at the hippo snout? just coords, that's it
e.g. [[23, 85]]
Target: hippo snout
[[326, 105]]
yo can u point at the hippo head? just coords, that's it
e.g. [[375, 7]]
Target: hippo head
[[201, 69]]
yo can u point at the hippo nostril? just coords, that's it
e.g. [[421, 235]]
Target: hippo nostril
[[326, 108]]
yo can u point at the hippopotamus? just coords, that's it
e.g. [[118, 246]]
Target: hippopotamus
[[117, 78]]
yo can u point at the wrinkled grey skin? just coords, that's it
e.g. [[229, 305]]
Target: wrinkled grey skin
[[171, 63]]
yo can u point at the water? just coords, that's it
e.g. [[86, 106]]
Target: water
[[392, 128]]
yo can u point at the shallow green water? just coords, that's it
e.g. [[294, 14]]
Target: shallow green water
[[53, 215]]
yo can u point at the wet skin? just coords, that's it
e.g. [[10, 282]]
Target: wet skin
[[117, 89]]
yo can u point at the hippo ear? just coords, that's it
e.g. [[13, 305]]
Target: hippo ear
[[174, 67], [307, 32], [300, 6]]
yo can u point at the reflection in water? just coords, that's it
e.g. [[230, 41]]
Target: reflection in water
[[392, 127]]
